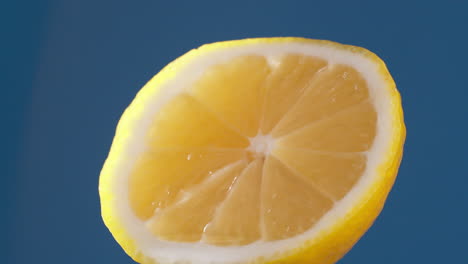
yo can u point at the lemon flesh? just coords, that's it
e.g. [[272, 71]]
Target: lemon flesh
[[204, 177]]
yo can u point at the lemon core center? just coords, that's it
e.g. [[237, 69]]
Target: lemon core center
[[261, 145]]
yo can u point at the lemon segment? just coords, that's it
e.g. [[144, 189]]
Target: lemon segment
[[195, 125], [290, 77], [187, 218], [240, 81], [334, 89], [352, 130], [334, 173], [237, 219], [290, 203], [182, 169]]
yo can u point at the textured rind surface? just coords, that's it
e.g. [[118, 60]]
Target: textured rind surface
[[330, 244]]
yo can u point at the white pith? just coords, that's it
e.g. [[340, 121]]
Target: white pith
[[200, 253], [261, 145]]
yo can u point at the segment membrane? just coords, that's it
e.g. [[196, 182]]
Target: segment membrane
[[184, 122], [160, 176], [187, 219], [290, 204], [237, 218], [335, 89], [333, 173], [286, 84], [234, 91], [352, 130]]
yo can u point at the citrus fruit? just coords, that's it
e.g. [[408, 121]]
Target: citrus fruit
[[270, 150]]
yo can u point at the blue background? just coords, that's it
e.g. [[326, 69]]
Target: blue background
[[71, 67]]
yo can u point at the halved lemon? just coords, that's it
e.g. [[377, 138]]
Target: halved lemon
[[272, 150]]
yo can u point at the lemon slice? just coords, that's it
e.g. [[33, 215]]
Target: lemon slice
[[274, 150]]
